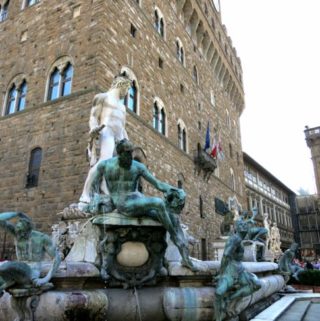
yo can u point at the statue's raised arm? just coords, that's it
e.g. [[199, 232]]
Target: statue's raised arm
[[31, 249], [5, 220], [161, 186]]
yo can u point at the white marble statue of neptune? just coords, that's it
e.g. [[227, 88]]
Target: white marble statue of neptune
[[107, 125]]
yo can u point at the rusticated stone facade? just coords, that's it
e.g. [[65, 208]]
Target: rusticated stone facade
[[99, 38]]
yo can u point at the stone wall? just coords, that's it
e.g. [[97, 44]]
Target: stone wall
[[98, 42]]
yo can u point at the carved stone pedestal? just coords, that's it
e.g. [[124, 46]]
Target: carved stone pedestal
[[253, 251], [132, 249], [218, 247]]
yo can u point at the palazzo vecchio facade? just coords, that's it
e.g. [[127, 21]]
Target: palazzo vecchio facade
[[56, 55]]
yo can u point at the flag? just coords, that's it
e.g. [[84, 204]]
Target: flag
[[214, 150], [207, 142], [220, 153], [217, 151]]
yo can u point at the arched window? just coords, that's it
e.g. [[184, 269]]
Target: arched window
[[60, 79], [16, 99], [155, 116], [228, 121], [12, 97], [53, 92], [4, 11], [232, 180], [180, 51], [206, 11], [159, 117], [159, 22], [156, 20], [230, 151], [184, 139], [31, 2], [201, 207], [213, 23], [182, 136], [161, 28], [34, 167], [181, 180], [212, 98], [182, 55], [162, 122], [131, 100], [22, 93], [67, 75], [235, 129], [195, 74]]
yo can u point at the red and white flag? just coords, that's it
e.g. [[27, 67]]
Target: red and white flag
[[216, 151]]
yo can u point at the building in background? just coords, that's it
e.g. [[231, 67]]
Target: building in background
[[187, 81], [269, 195], [308, 215], [308, 223], [313, 141]]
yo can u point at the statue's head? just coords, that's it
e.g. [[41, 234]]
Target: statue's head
[[241, 226], [23, 228], [124, 150], [123, 83], [245, 214], [175, 200], [294, 247]]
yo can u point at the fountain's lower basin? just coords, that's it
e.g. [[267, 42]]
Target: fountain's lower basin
[[79, 294]]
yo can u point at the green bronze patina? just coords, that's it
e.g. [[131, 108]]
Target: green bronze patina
[[287, 265], [233, 282], [31, 248], [122, 175], [254, 232]]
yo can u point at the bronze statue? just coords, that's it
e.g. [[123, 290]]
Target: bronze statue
[[31, 248], [233, 282], [255, 232], [122, 174], [287, 265]]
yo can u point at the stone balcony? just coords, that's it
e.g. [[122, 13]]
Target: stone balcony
[[204, 162]]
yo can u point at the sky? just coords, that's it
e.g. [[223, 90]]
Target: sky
[[278, 42]]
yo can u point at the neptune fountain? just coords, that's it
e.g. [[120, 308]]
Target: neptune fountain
[[119, 255]]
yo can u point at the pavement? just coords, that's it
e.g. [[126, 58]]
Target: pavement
[[293, 307]]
